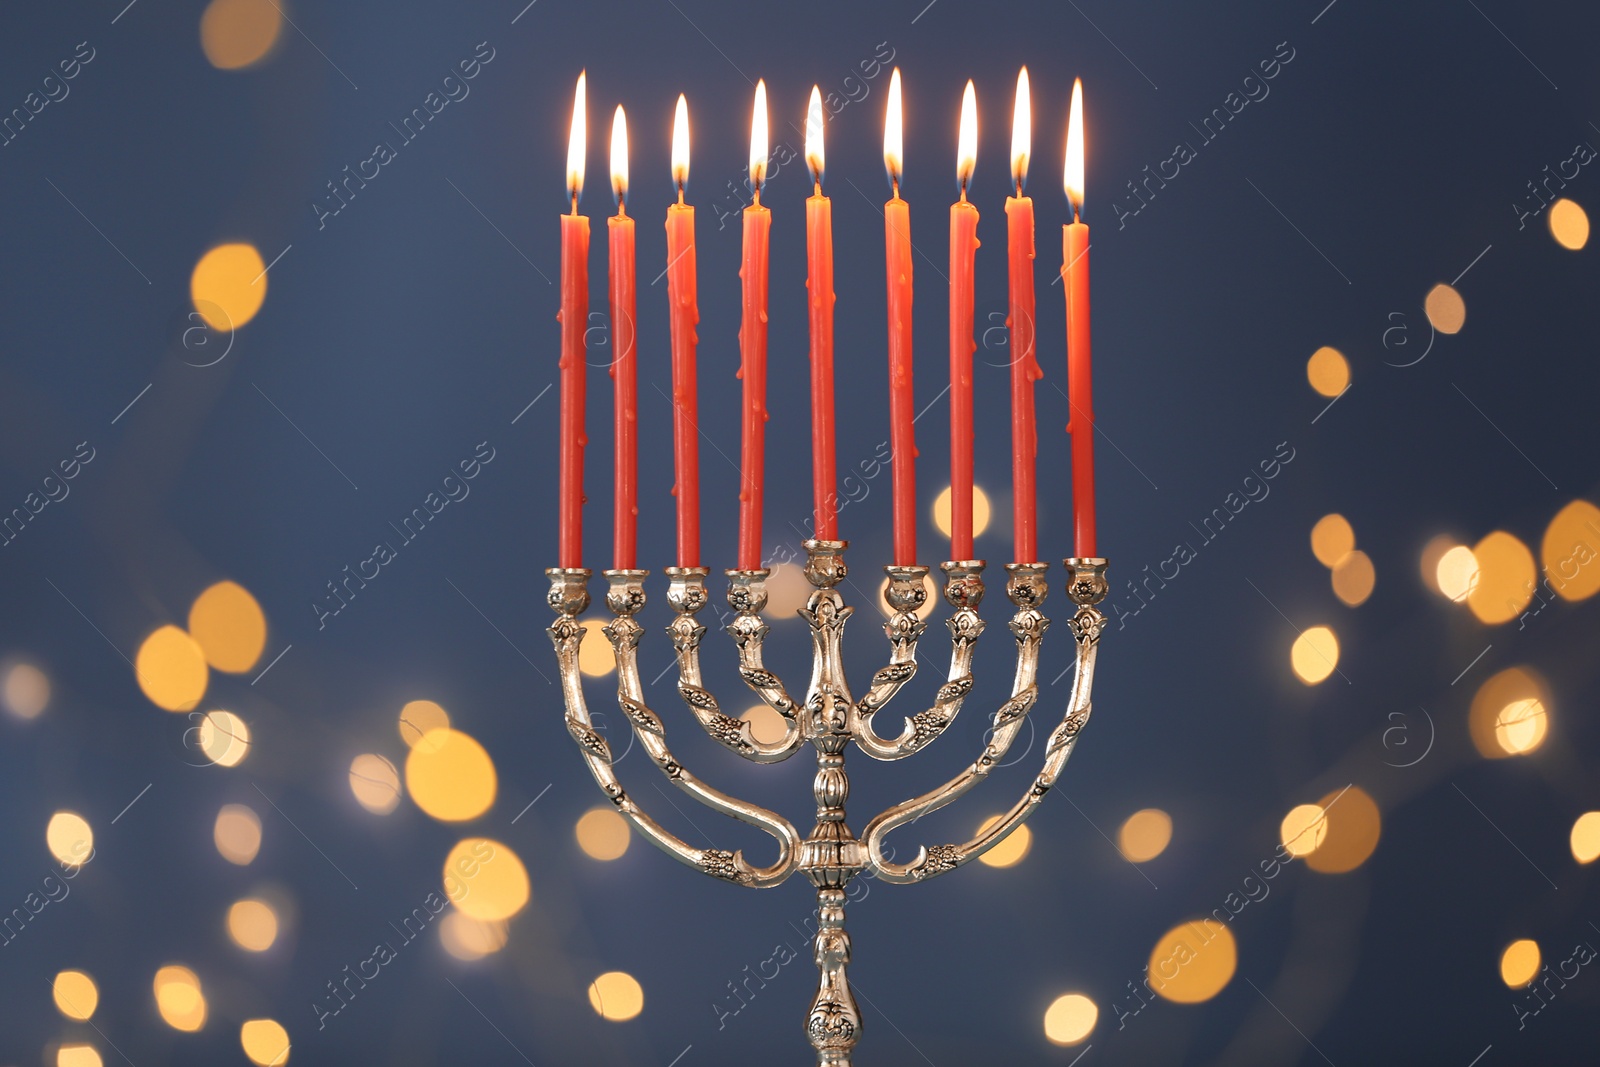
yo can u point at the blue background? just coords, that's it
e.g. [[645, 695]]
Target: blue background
[[420, 321]]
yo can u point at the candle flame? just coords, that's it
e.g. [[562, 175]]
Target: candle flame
[[1021, 132], [758, 138], [814, 136], [619, 159], [1073, 178], [893, 151], [577, 140], [680, 143], [967, 141]]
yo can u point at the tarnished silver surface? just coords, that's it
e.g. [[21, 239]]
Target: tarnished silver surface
[[830, 720]]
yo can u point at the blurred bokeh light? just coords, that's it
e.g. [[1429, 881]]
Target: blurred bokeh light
[[595, 657], [469, 939], [375, 783], [224, 738], [253, 925], [238, 33], [69, 838], [75, 994], [1328, 371], [1332, 539], [237, 834], [1570, 551], [1314, 655], [1070, 1018], [1011, 849], [1519, 963], [1569, 224], [1193, 961], [1354, 578], [1506, 576], [229, 626], [1586, 837], [1353, 828], [766, 725], [171, 668], [980, 511], [485, 880], [1445, 309], [420, 716], [1145, 835], [26, 689], [265, 1042], [617, 996], [228, 285], [1509, 713], [179, 998], [450, 776], [603, 834]]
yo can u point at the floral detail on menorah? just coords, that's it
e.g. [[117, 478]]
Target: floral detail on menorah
[[829, 718]]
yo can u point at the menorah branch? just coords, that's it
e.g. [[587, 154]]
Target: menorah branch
[[1086, 586], [569, 596]]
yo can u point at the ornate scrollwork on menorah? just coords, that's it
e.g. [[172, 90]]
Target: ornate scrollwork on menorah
[[830, 719]]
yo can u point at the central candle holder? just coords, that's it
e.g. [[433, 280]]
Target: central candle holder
[[830, 720]]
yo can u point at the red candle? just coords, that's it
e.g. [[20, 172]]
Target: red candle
[[624, 363], [1075, 279], [819, 302], [574, 320], [684, 314], [1024, 360], [963, 251], [902, 403], [753, 344]]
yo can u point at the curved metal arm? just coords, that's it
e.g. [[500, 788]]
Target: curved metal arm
[[1087, 587], [905, 594], [569, 596], [747, 595]]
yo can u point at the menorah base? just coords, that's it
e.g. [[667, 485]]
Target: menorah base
[[830, 720]]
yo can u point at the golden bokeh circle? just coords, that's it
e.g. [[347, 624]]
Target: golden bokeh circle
[[171, 669], [224, 738], [1457, 573], [69, 838], [1304, 829], [1586, 837], [1570, 551], [1428, 561], [75, 994], [1070, 1018], [766, 725], [230, 627], [450, 776], [1354, 578], [1353, 828], [253, 925], [375, 783], [595, 655], [1315, 655], [26, 691], [1523, 692], [1328, 371], [420, 716], [1569, 224], [485, 880], [1332, 539], [237, 834], [78, 1056], [1145, 835], [179, 998], [616, 996], [1445, 309], [1506, 577], [1519, 963], [982, 511], [1520, 726], [1011, 849], [265, 1042], [787, 591], [470, 939], [229, 285], [237, 33], [1193, 961], [603, 834]]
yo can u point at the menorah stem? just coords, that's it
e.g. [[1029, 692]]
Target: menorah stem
[[834, 1024]]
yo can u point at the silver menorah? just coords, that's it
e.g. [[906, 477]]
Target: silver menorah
[[830, 719]]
